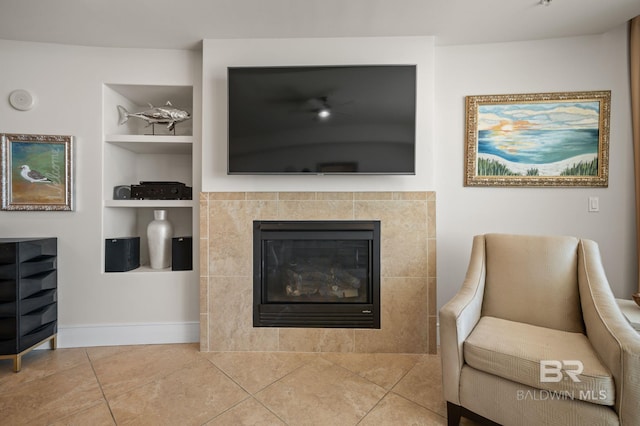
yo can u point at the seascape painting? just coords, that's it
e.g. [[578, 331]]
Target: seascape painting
[[538, 140], [36, 172]]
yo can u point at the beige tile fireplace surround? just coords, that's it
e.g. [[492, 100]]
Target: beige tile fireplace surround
[[408, 271]]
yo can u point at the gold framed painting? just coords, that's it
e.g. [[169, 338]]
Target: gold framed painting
[[540, 139], [37, 172]]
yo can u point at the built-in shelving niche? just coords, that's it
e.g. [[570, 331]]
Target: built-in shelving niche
[[131, 153]]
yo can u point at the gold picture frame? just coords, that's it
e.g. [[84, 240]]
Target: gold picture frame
[[539, 139], [37, 172]]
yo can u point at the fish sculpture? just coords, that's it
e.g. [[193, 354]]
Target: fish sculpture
[[165, 114]]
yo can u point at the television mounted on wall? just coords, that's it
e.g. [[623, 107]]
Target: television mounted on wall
[[355, 119]]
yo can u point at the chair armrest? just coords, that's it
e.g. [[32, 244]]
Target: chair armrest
[[613, 338], [458, 317]]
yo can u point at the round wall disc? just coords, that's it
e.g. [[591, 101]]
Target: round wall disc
[[21, 100]]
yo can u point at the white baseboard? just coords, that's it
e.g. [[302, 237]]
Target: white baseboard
[[127, 334]]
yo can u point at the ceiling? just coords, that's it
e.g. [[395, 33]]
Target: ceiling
[[182, 24]]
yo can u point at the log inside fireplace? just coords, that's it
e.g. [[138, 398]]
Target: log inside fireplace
[[323, 274]]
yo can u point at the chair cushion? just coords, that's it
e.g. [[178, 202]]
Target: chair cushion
[[515, 351], [533, 279]]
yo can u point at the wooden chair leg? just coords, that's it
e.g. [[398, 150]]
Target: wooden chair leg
[[454, 412]]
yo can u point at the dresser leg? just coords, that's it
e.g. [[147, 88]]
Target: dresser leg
[[17, 363], [17, 358]]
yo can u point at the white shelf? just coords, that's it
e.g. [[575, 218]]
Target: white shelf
[[148, 203], [143, 269], [153, 144], [130, 156]]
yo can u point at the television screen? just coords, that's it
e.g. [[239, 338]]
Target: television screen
[[322, 119]]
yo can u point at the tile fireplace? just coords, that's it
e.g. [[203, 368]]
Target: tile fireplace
[[316, 274], [407, 270]]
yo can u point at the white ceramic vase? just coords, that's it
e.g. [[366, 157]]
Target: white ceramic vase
[[159, 234]]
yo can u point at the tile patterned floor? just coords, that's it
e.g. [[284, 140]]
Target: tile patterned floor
[[178, 385]]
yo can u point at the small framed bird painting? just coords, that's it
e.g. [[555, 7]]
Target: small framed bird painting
[[37, 172]]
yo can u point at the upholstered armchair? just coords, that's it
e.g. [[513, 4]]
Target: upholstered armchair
[[535, 337]]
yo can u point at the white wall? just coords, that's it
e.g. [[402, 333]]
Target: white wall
[[220, 54], [571, 64], [451, 73], [67, 82]]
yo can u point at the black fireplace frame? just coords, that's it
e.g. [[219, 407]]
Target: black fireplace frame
[[317, 315]]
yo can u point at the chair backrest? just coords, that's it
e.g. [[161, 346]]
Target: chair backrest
[[533, 279]]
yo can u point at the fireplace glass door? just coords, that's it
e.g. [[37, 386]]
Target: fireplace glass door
[[317, 271], [316, 274]]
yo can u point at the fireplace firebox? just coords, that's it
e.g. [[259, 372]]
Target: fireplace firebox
[[323, 274]]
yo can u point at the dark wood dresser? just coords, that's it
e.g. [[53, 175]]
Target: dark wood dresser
[[28, 296]]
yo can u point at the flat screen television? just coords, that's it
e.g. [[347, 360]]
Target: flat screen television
[[357, 119]]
